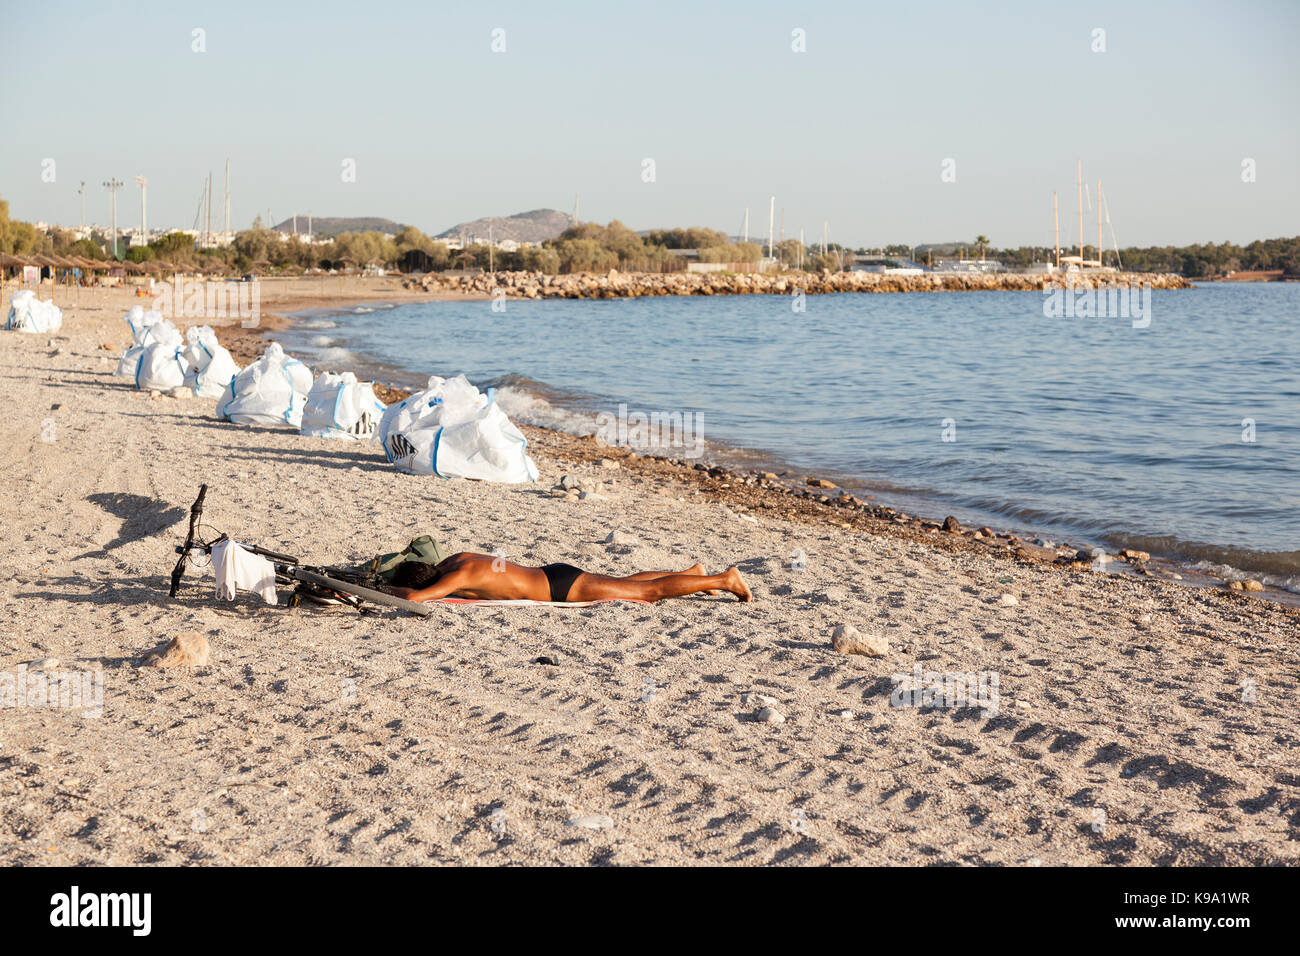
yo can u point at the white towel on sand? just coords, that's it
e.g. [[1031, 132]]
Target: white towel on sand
[[240, 570]]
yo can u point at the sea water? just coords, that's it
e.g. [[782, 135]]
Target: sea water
[[1177, 432]]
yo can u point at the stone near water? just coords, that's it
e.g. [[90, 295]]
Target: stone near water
[[1250, 584], [847, 639], [821, 483], [951, 524], [1129, 554], [186, 649]]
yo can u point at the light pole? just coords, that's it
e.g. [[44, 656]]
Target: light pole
[[113, 185], [144, 228], [82, 193]]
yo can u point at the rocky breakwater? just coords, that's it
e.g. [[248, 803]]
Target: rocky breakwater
[[617, 285]]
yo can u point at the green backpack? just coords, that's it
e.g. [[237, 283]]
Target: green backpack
[[423, 549]]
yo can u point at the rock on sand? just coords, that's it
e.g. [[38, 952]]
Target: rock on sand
[[187, 649], [847, 639]]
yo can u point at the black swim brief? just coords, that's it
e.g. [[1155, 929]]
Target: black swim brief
[[560, 577]]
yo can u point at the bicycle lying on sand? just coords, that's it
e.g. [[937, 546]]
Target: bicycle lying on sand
[[322, 585]]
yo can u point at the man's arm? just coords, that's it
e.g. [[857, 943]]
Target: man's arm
[[447, 584]]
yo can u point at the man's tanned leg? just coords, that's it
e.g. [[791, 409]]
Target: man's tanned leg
[[599, 587]]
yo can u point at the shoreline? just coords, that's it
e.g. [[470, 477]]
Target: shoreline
[[747, 489], [317, 737]]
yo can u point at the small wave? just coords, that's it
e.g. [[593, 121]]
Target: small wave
[[1279, 566], [1282, 582], [335, 356], [321, 341], [318, 324], [522, 405], [361, 310]]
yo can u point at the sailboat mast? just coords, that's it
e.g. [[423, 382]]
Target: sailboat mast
[[1099, 224], [1056, 216], [1079, 181]]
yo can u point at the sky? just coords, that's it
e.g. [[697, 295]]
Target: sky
[[901, 122]]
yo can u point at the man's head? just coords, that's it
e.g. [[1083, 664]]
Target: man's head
[[415, 575]]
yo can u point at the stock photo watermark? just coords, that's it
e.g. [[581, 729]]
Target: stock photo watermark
[[81, 690], [192, 299], [1063, 301], [947, 690], [681, 433]]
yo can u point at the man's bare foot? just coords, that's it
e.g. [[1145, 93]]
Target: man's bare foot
[[737, 586], [697, 569]]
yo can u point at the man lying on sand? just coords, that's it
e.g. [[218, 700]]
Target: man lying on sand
[[489, 578]]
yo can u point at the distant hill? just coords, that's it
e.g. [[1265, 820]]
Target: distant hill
[[326, 226], [533, 226]]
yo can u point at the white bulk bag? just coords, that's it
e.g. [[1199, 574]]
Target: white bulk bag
[[210, 366], [452, 430], [146, 329], [338, 406], [139, 321], [162, 367], [29, 314], [271, 391]]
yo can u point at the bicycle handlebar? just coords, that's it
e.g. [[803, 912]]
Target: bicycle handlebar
[[196, 513]]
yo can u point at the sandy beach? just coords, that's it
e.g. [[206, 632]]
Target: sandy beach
[[1133, 720]]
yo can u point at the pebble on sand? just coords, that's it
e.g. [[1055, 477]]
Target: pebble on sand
[[847, 639], [770, 715], [187, 649], [1250, 584], [1010, 600], [622, 538]]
